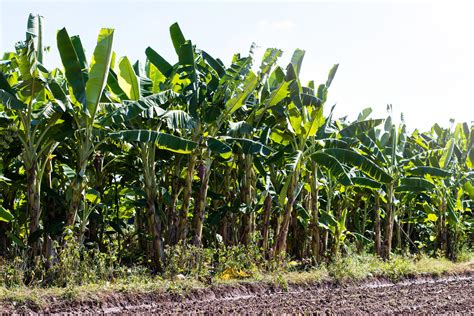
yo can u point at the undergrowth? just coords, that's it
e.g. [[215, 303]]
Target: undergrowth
[[79, 273]]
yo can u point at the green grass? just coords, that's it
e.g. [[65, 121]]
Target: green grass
[[360, 267], [349, 269]]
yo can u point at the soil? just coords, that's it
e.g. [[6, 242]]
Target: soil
[[448, 294]]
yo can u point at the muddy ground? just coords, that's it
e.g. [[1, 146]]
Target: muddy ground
[[449, 294]]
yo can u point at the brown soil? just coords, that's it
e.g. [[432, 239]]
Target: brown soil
[[448, 294]]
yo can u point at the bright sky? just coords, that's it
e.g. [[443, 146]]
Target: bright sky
[[417, 56]]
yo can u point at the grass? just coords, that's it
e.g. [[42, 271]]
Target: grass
[[349, 269], [361, 267]]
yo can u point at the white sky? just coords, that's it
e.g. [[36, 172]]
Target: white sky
[[419, 56]]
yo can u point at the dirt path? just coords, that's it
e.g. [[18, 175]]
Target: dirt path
[[445, 295]]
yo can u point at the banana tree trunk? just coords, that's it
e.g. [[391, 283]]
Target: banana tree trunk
[[246, 198], [329, 200], [99, 186], [140, 228], [337, 232], [153, 219], [4, 240], [378, 233], [200, 208], [267, 208], [8, 202], [155, 230], [78, 185], [77, 192], [76, 199], [389, 221], [408, 236], [34, 210], [442, 228], [173, 215], [280, 243], [49, 216], [315, 230], [398, 232], [183, 216], [362, 226]]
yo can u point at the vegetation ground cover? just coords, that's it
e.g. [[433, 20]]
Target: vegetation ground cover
[[135, 287]]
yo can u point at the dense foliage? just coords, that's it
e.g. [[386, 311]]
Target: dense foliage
[[138, 158]]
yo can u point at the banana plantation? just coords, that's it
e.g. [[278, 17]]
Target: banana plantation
[[145, 156]]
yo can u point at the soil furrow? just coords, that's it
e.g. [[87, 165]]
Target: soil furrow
[[446, 295]]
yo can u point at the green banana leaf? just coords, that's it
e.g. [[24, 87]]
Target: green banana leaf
[[362, 163], [72, 66], [177, 37], [333, 165], [163, 141], [5, 215], [99, 70], [427, 170], [128, 80]]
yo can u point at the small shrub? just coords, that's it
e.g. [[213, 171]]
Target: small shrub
[[188, 260]]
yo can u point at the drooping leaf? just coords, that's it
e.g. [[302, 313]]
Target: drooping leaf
[[294, 161], [162, 140], [359, 127], [4, 85], [364, 182], [415, 184], [5, 215], [147, 107], [10, 102], [362, 163], [240, 128], [251, 147], [219, 147], [178, 120], [432, 171], [333, 165]]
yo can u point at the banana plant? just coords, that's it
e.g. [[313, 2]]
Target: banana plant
[[389, 149], [86, 86], [251, 139], [212, 95], [299, 114], [140, 123], [302, 137], [447, 168], [26, 97]]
